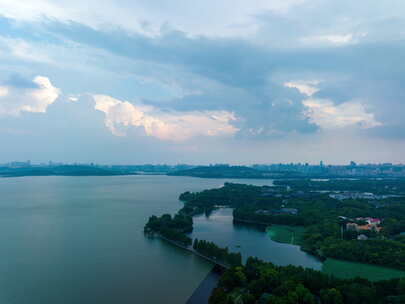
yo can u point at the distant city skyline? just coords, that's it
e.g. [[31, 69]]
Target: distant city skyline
[[272, 171], [239, 82], [286, 164]]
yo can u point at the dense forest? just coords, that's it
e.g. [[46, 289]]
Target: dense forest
[[230, 194], [213, 251], [376, 186], [172, 228], [262, 282]]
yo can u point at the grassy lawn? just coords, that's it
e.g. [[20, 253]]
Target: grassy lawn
[[286, 234], [345, 270]]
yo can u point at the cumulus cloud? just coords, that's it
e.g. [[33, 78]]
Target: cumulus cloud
[[327, 115], [73, 98], [36, 98], [170, 126], [304, 87]]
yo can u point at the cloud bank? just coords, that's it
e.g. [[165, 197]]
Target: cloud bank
[[170, 126]]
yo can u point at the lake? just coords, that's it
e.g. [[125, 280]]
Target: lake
[[80, 240], [249, 240]]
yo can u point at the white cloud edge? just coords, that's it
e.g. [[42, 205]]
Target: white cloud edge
[[168, 126], [14, 101], [325, 114], [305, 87]]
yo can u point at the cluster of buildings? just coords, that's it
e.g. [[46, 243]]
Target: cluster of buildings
[[350, 170], [290, 211], [301, 169], [287, 211], [17, 164], [283, 191], [364, 224], [358, 195], [130, 168]]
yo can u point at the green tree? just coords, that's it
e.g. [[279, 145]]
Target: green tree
[[331, 296]]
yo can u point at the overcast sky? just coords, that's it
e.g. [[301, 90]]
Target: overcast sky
[[208, 81]]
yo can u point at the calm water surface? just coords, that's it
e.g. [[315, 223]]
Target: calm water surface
[[79, 240]]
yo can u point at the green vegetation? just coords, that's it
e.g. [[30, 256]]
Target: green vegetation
[[209, 249], [251, 213], [232, 195], [324, 218], [174, 229], [318, 223], [376, 186], [378, 252], [348, 270], [286, 234], [261, 282]]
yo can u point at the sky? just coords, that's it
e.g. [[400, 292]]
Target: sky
[[199, 82]]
